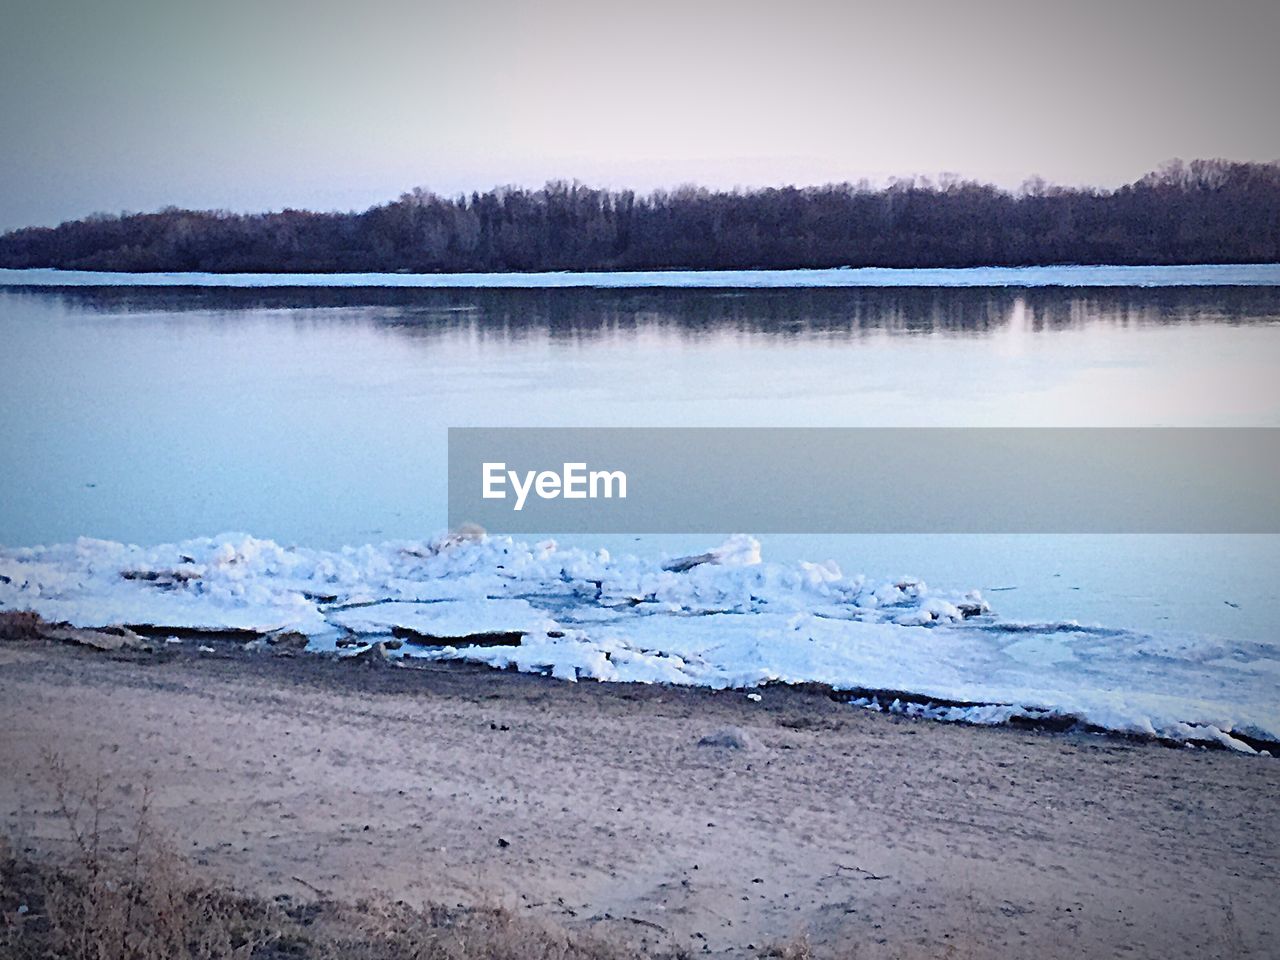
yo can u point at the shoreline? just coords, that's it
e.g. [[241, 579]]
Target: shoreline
[[406, 781], [1081, 275], [726, 619]]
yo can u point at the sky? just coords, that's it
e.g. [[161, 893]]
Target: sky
[[263, 104]]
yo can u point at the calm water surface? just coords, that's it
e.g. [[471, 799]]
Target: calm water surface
[[318, 417]]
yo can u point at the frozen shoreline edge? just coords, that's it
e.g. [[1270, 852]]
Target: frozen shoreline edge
[[894, 703], [730, 622]]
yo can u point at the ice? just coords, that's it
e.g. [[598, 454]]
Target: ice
[[726, 618], [1263, 274], [445, 619]]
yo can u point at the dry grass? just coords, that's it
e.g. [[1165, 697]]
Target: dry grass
[[798, 949], [21, 625], [137, 900], [157, 911]]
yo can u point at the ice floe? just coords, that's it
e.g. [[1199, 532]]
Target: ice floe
[[724, 619]]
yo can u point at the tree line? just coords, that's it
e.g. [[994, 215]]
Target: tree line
[[1205, 211]]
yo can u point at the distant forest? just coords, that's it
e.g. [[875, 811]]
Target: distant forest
[[1205, 211]]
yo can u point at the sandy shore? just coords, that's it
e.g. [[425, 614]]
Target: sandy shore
[[595, 806]]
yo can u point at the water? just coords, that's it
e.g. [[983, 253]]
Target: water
[[319, 416]]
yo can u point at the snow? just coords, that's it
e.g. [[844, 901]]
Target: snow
[[1052, 276], [731, 620]]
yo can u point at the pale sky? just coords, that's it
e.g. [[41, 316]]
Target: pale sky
[[260, 104]]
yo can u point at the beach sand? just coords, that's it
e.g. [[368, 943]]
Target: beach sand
[[594, 806]]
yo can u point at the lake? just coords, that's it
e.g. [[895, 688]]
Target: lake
[[317, 415]]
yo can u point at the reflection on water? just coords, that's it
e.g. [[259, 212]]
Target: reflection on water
[[319, 416], [587, 313]]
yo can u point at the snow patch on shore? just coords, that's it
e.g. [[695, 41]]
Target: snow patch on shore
[[723, 619]]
